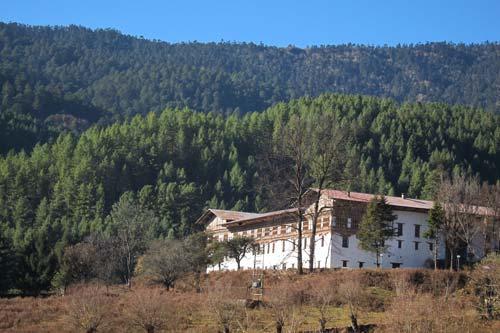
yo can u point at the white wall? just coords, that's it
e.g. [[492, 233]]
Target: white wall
[[332, 254], [407, 255]]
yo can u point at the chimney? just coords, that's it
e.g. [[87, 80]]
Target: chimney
[[402, 195]]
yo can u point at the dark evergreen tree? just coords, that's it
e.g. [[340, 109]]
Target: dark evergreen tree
[[376, 227]]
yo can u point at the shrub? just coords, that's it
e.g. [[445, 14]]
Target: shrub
[[88, 309]]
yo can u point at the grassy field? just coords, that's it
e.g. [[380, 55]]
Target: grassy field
[[390, 301]]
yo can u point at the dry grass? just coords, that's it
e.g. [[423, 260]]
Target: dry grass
[[395, 301]]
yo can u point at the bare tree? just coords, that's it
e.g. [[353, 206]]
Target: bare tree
[[490, 197], [224, 308], [148, 309], [131, 226], [460, 197], [166, 261], [283, 308], [323, 294], [485, 282], [88, 309], [351, 293], [326, 168], [285, 176]]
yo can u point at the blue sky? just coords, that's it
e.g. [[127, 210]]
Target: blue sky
[[273, 22]]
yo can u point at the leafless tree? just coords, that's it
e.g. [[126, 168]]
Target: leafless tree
[[285, 171], [225, 309], [460, 197], [491, 199], [166, 261], [485, 282], [351, 293], [131, 227], [148, 309], [88, 310], [323, 294], [282, 302], [327, 164]]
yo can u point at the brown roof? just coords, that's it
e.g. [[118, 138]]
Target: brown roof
[[366, 197], [262, 217], [396, 202]]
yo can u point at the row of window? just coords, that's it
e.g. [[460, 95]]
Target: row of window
[[285, 229], [345, 244], [399, 232], [271, 247], [361, 264]]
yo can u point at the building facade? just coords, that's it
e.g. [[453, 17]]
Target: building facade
[[336, 243]]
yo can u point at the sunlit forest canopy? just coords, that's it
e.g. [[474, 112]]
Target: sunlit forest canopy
[[67, 78]]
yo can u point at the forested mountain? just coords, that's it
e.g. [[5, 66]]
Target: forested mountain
[[70, 77], [177, 162]]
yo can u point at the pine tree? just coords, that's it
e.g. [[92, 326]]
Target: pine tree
[[376, 227], [435, 225]]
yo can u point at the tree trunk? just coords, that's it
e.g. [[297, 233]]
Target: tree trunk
[[312, 243], [226, 329], [279, 327], [238, 265], [435, 254], [451, 259], [377, 259], [150, 329], [322, 325], [354, 323], [299, 243]]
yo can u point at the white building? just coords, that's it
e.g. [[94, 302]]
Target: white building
[[336, 241]]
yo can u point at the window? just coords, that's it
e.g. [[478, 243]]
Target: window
[[400, 230], [283, 246], [305, 242], [283, 266], [293, 245], [322, 241], [319, 264], [417, 230], [431, 247], [268, 247], [266, 231], [396, 264], [344, 263], [349, 223], [280, 230], [400, 244], [293, 265], [360, 264], [305, 225], [334, 221], [259, 232], [416, 246], [275, 230], [345, 241], [273, 246]]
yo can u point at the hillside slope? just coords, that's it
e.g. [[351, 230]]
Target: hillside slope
[[178, 162], [70, 77]]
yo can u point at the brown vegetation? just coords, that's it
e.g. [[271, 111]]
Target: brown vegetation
[[328, 301]]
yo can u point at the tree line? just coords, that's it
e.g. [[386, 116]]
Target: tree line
[[178, 162], [55, 79]]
